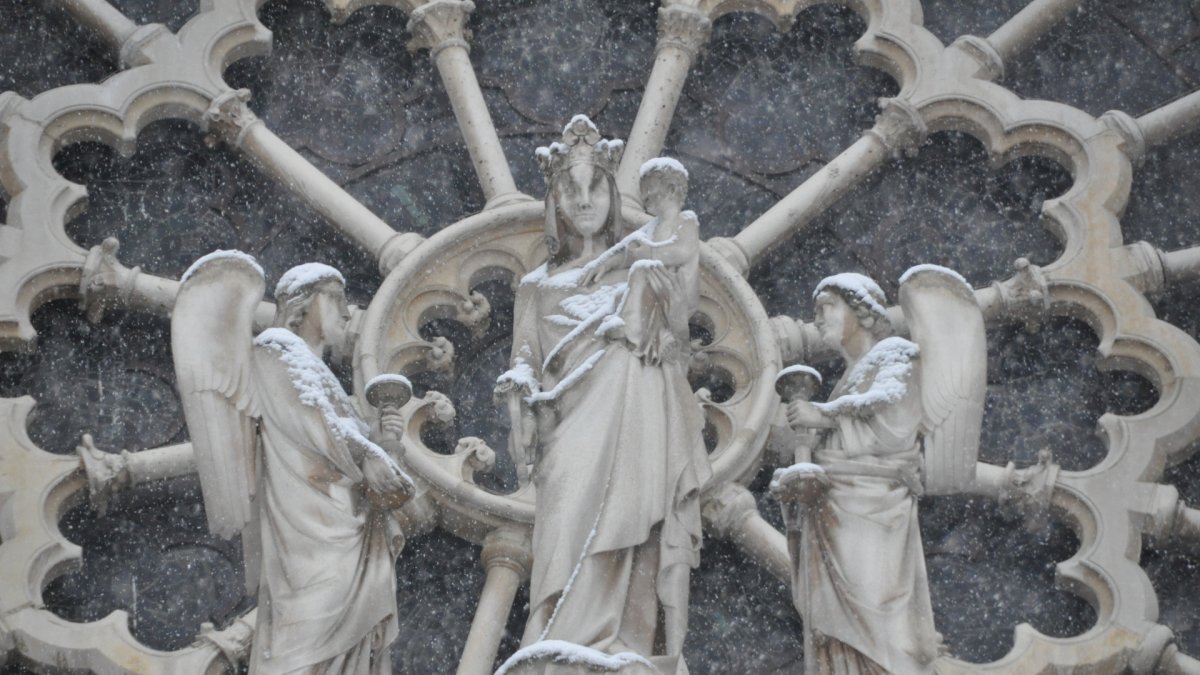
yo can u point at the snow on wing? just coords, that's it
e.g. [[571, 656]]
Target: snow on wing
[[946, 323], [211, 338]]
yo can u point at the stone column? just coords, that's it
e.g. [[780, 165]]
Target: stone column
[[232, 122], [440, 27], [507, 556], [106, 284], [109, 473], [732, 514], [682, 30], [1015, 36], [898, 128]]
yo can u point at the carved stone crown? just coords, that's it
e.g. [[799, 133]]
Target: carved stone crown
[[581, 143]]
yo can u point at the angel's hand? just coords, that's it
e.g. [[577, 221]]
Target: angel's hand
[[804, 415], [391, 423], [383, 477]]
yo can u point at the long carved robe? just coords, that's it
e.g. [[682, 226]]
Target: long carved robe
[[327, 593], [859, 578], [622, 460]]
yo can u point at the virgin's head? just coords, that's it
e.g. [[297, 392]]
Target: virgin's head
[[582, 202]]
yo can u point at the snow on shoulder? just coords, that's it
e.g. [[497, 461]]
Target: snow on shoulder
[[860, 286], [889, 364], [319, 388], [938, 269], [222, 255], [304, 275], [662, 164], [569, 653]]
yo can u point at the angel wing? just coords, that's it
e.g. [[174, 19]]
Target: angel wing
[[211, 340], [945, 321]]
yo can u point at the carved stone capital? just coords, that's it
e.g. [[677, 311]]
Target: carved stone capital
[[1145, 266], [106, 283], [229, 118], [396, 249], [725, 508], [1133, 139], [733, 252], [440, 24], [684, 28], [145, 44], [899, 126], [991, 64], [1026, 294], [508, 548]]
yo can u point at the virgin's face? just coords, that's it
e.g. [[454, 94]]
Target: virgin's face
[[583, 199]]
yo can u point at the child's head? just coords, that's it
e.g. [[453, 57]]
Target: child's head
[[664, 181]]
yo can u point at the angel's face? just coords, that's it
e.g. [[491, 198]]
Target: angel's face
[[835, 319], [333, 313]]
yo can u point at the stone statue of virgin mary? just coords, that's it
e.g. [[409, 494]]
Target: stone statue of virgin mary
[[603, 411]]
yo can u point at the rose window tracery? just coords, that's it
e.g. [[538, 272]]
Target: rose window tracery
[[394, 140]]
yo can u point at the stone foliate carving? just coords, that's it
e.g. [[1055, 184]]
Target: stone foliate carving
[[903, 420], [602, 408], [285, 461], [229, 118], [899, 126], [683, 27], [440, 24]]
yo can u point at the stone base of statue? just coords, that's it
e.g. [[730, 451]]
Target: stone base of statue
[[556, 657]]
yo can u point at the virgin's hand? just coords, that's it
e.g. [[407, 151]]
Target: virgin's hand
[[596, 272]]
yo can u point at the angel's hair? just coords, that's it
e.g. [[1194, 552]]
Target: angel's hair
[[292, 306], [879, 326]]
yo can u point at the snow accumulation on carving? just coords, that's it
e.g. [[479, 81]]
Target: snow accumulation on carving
[[797, 469], [861, 287], [521, 375], [916, 269], [569, 653], [217, 255], [662, 164], [799, 368], [567, 382], [302, 275], [318, 388], [389, 377], [891, 362]]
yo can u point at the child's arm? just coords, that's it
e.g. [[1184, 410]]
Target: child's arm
[[684, 244]]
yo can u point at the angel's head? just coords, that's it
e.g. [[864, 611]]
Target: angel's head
[[850, 311], [310, 301]]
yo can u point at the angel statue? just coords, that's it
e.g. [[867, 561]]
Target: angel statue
[[602, 409], [903, 420], [285, 461]]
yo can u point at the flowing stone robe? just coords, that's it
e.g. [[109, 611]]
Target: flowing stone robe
[[621, 459], [326, 602], [859, 578]]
